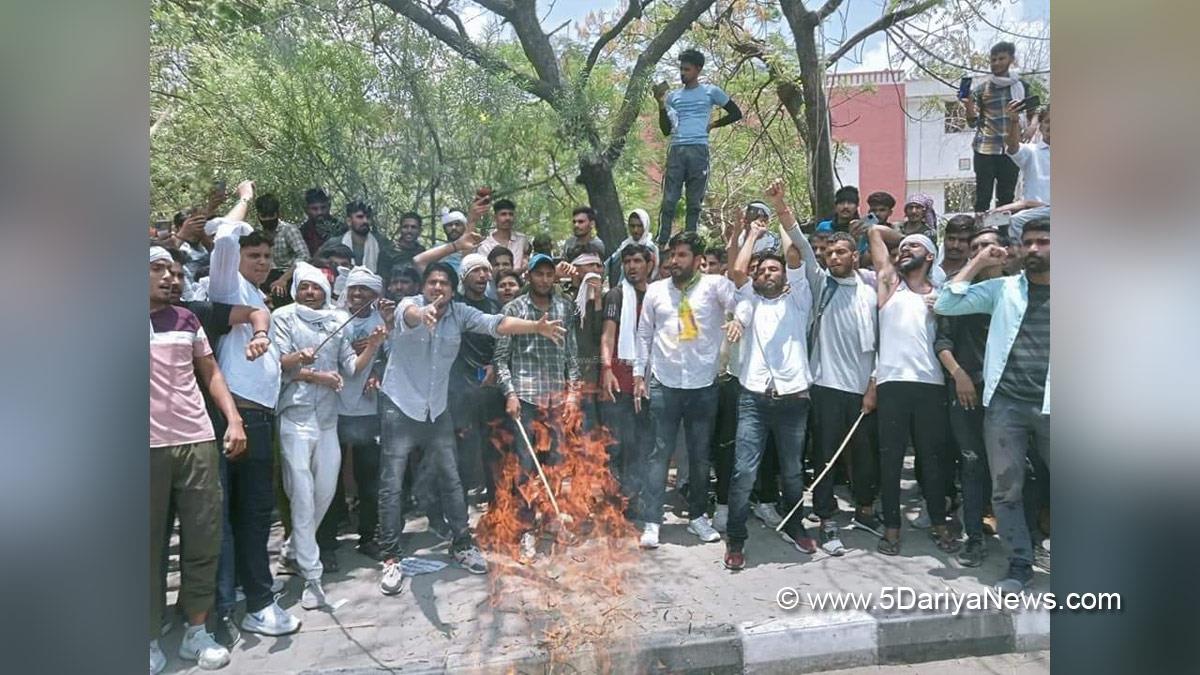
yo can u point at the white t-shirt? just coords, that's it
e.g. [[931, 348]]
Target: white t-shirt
[[907, 329], [773, 349], [1034, 161]]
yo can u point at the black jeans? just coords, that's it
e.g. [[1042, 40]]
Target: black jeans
[[916, 410], [361, 433], [696, 409], [633, 440], [834, 412], [534, 421], [249, 487], [966, 427], [997, 169], [787, 419], [687, 165]]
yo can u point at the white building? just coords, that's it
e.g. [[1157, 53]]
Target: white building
[[938, 156]]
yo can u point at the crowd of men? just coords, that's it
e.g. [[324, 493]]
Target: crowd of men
[[336, 360]]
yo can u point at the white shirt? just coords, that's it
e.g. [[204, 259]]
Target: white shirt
[[773, 350], [257, 380], [689, 364], [907, 329], [1034, 161], [352, 402]]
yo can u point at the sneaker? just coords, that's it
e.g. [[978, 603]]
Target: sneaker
[[158, 660], [973, 553], [370, 549], [528, 551], [1015, 581], [471, 560], [313, 596], [198, 645], [721, 517], [735, 558], [270, 620], [702, 527], [767, 514], [329, 563], [286, 565], [867, 522], [225, 632], [1041, 558], [650, 536], [831, 541], [804, 543], [922, 521], [393, 578]]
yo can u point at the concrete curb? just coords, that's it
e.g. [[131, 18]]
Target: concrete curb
[[795, 644]]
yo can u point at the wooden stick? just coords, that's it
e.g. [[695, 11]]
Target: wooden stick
[[536, 463], [346, 323], [809, 491]]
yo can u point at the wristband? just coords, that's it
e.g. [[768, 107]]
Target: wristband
[[256, 333]]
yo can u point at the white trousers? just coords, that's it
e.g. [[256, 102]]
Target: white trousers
[[311, 462]]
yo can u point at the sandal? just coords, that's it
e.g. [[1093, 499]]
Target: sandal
[[948, 543], [888, 547]]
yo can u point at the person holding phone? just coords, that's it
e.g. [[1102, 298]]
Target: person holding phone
[[684, 115], [1033, 159], [987, 112]]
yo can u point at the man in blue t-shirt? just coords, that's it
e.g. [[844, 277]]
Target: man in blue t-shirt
[[684, 115]]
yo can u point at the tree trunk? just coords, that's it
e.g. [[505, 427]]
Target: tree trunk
[[816, 119], [597, 178]]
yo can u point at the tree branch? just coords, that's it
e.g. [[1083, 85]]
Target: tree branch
[[828, 8], [636, 89], [544, 90], [632, 12], [534, 41], [882, 23]]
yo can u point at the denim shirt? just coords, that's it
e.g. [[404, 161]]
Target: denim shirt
[[1005, 298]]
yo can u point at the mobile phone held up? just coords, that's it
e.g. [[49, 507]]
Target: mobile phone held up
[[964, 87], [1030, 103]]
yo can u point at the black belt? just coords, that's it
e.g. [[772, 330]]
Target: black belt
[[775, 396]]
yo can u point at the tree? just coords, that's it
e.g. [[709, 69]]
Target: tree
[[563, 84]]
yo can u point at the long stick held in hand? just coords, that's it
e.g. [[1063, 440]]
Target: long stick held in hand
[[536, 463], [344, 324], [809, 491]]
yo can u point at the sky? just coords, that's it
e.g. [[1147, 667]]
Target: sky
[[1020, 16]]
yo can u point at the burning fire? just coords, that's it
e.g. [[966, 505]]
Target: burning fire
[[572, 597]]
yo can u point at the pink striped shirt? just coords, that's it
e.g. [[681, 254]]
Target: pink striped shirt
[[177, 414]]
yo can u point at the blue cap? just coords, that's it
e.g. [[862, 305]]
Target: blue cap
[[825, 226], [539, 258]]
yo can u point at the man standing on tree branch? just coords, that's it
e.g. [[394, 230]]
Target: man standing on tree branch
[[684, 115]]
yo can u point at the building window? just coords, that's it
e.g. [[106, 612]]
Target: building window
[[960, 196], [955, 117], [964, 164]]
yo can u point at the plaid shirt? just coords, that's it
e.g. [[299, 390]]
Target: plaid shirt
[[991, 104], [531, 366], [288, 246]]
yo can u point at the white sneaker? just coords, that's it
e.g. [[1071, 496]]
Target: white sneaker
[[922, 521], [649, 536], [198, 645], [528, 552], [270, 620], [392, 582], [721, 517], [158, 660], [767, 514], [471, 560], [313, 596], [702, 527]]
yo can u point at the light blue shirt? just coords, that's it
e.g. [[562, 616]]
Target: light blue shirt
[[692, 110], [1005, 298]]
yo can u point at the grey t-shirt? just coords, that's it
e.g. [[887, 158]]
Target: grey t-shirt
[[837, 360]]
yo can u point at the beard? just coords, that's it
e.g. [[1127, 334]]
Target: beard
[[913, 263], [1036, 264]]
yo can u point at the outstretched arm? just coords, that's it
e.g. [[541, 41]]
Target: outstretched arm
[[885, 272]]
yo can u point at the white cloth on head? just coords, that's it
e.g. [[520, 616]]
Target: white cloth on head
[[587, 258], [921, 239], [449, 216], [158, 253], [627, 336], [581, 297], [762, 206], [370, 257], [614, 261], [468, 264], [305, 272], [360, 276], [339, 283]]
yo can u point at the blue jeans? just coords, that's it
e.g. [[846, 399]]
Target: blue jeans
[[1008, 425], [697, 410], [785, 418], [687, 165], [249, 487], [402, 435], [633, 435]]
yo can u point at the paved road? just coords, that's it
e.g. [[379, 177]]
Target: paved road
[[1033, 663]]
